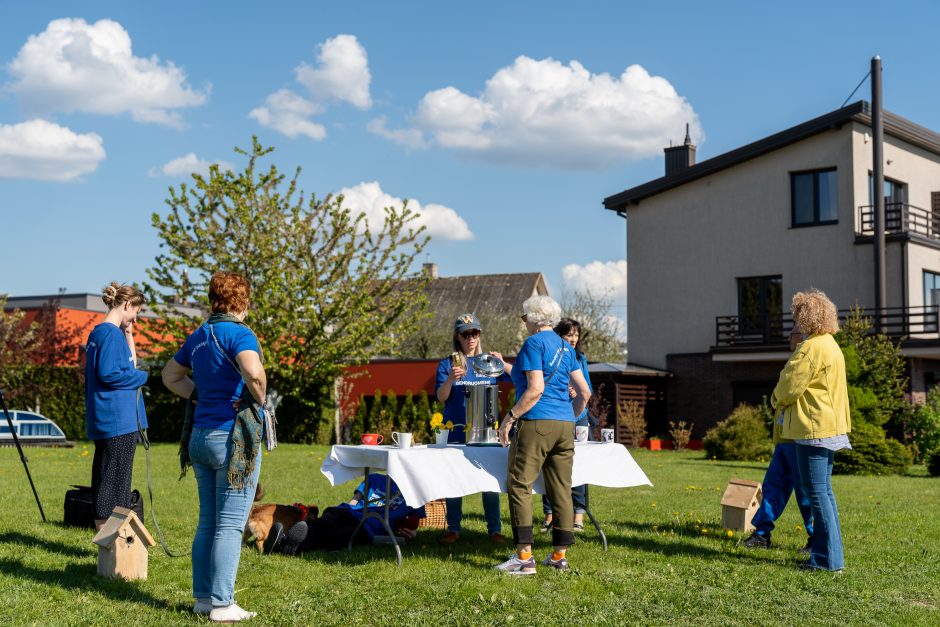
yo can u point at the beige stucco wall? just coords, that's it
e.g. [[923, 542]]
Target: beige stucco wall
[[687, 247]]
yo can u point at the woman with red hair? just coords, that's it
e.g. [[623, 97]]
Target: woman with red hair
[[221, 363]]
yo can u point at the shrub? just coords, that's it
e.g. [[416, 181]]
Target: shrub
[[933, 463], [632, 422], [681, 433], [922, 427], [872, 454], [741, 436]]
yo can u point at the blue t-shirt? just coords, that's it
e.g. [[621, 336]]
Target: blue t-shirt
[[455, 407], [583, 419], [218, 383], [543, 351], [396, 509], [111, 382]]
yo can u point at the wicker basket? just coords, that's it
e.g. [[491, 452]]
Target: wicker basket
[[435, 515]]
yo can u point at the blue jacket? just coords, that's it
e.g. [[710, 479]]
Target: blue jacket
[[111, 383]]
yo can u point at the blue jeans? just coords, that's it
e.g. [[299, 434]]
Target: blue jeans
[[782, 479], [494, 523], [223, 512], [815, 464]]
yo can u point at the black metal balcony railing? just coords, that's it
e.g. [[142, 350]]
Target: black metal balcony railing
[[900, 218], [774, 330]]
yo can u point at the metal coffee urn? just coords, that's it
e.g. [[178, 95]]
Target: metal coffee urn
[[483, 402]]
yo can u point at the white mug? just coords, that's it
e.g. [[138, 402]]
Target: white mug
[[581, 433], [607, 435], [401, 440]]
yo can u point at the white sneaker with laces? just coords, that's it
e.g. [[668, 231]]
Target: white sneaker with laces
[[230, 614], [202, 606], [516, 566]]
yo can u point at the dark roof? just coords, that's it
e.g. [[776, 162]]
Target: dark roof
[[860, 111], [479, 293]]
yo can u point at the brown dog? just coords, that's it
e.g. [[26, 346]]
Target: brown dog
[[263, 516]]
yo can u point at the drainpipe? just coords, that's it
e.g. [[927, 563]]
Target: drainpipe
[[878, 183]]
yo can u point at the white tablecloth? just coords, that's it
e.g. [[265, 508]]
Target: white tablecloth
[[426, 473]]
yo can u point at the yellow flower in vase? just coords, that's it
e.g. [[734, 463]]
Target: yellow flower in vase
[[437, 421]]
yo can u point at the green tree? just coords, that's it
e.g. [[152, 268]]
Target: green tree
[[422, 418], [599, 327], [406, 414], [391, 411], [360, 420], [876, 380], [874, 370], [323, 278]]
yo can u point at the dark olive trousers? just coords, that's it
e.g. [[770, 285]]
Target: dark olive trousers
[[545, 446]]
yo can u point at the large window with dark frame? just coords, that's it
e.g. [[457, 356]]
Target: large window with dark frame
[[814, 197], [760, 306]]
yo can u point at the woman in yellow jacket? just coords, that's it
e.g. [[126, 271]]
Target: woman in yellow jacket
[[811, 406]]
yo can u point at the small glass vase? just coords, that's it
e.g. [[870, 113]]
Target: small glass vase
[[441, 437]]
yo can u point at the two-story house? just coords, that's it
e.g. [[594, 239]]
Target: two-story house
[[718, 248]]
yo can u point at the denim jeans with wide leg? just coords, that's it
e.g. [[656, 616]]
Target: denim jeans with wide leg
[[494, 523], [223, 512], [780, 481], [815, 464]]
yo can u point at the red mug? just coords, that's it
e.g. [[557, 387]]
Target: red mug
[[371, 439]]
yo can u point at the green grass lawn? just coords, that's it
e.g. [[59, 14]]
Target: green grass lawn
[[669, 562]]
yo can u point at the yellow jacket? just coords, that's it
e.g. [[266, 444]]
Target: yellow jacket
[[812, 392]]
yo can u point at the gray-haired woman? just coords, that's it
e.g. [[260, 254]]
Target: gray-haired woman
[[543, 439]]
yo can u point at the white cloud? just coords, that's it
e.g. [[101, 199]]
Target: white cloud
[[599, 278], [441, 222], [91, 68], [288, 113], [542, 113], [48, 152], [411, 137], [342, 74], [188, 164]]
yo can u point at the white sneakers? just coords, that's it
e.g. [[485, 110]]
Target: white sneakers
[[230, 614]]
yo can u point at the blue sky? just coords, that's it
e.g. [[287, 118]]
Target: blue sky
[[507, 122]]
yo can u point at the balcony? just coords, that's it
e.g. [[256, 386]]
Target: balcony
[[772, 332], [900, 218]]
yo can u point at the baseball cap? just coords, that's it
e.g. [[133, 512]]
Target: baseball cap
[[465, 322]]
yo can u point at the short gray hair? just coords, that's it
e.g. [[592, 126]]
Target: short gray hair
[[542, 310]]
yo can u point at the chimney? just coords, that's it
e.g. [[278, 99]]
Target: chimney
[[682, 157], [429, 270]]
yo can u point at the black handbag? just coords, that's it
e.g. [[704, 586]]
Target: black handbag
[[80, 510]]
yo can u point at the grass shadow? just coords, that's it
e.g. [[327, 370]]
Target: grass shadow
[[69, 550], [83, 577]]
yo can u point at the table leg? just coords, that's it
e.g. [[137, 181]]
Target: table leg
[[594, 522], [383, 519]]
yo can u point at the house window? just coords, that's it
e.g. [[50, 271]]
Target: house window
[[815, 197], [760, 306], [931, 288], [895, 192]]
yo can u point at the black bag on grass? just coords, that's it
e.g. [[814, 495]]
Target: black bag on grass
[[80, 510]]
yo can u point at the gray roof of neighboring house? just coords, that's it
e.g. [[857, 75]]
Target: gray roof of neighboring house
[[85, 302], [860, 111], [479, 293]]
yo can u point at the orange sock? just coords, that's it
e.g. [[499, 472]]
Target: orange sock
[[524, 555], [557, 556]]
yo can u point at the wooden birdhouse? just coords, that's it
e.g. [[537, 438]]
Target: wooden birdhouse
[[739, 504], [122, 546]]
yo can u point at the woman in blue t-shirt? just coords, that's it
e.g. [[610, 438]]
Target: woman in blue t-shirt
[[570, 330], [450, 387], [223, 358], [113, 410], [540, 427]]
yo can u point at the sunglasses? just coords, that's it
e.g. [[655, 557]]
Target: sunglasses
[[471, 333], [524, 317]]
